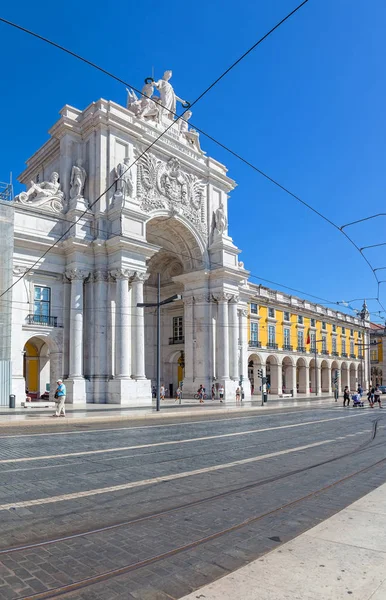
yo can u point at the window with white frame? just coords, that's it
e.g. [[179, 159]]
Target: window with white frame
[[324, 343], [313, 341], [300, 319], [300, 339], [178, 328], [343, 346], [254, 332], [287, 337], [334, 345], [254, 308], [271, 313], [360, 350], [271, 334], [42, 303], [287, 316]]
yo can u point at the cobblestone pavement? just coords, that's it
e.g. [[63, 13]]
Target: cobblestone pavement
[[215, 473]]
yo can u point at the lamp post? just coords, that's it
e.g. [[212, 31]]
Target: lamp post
[[158, 305]]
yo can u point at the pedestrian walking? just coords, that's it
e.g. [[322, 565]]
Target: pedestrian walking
[[221, 392], [201, 392], [346, 396], [370, 397], [238, 395], [162, 392], [360, 390], [178, 395], [213, 392], [377, 396], [60, 399]]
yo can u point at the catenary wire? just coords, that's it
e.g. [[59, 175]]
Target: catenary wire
[[276, 183], [155, 140]]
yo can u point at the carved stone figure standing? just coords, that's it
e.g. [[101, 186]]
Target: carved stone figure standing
[[124, 178], [191, 135], [220, 220], [78, 179], [168, 96]]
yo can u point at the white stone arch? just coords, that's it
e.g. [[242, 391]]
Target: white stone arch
[[335, 369], [325, 376], [255, 362], [179, 238], [353, 376], [345, 374], [302, 375], [49, 358], [170, 370], [288, 366], [273, 371]]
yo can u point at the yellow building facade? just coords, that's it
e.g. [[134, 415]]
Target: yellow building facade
[[301, 347]]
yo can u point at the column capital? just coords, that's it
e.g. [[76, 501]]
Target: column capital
[[77, 274], [201, 298], [138, 276], [120, 273], [222, 297], [188, 300], [243, 312], [234, 299], [100, 275]]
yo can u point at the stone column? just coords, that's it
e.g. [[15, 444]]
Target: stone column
[[100, 367], [279, 371], [202, 330], [138, 326], [77, 277], [307, 379], [233, 339], [189, 346], [294, 388], [222, 342], [76, 384], [122, 324], [243, 367]]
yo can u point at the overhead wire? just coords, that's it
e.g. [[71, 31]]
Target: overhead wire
[[62, 48], [248, 163]]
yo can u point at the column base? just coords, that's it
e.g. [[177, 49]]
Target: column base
[[129, 392], [76, 391], [98, 390]]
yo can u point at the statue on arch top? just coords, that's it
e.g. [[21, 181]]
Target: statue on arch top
[[168, 96]]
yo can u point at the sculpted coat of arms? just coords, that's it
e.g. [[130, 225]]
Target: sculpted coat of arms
[[163, 185]]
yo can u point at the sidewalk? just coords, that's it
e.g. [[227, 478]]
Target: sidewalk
[[343, 557], [79, 413]]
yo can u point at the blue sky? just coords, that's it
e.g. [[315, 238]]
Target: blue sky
[[307, 107]]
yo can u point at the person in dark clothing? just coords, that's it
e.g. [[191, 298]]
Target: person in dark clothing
[[346, 396]]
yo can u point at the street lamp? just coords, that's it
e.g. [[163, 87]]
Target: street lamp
[[158, 305]]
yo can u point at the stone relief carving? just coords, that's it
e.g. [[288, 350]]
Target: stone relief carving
[[190, 135], [138, 276], [165, 185], [100, 275], [124, 176], [46, 194]]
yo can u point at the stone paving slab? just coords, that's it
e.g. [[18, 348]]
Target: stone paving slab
[[345, 556]]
